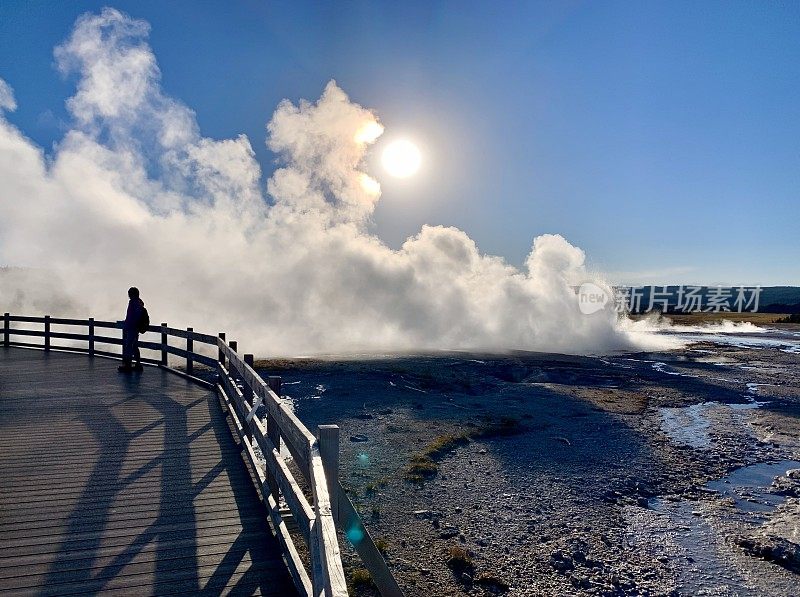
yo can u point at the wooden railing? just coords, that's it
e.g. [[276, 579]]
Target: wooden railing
[[264, 423]]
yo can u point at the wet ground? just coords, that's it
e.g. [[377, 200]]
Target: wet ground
[[535, 474]]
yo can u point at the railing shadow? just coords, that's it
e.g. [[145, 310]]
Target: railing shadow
[[244, 494], [89, 516], [102, 498], [88, 521]]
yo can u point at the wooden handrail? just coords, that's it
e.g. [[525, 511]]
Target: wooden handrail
[[317, 457]]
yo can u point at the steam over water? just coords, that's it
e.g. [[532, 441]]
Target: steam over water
[[134, 195]]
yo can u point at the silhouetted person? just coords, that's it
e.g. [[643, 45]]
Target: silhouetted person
[[130, 332]]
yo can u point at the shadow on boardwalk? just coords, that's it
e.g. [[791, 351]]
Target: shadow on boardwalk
[[130, 483]]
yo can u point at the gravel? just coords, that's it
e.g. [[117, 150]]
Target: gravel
[[566, 479]]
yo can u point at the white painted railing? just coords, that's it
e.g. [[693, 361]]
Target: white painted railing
[[262, 421]]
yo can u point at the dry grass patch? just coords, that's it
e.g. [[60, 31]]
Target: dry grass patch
[[612, 400], [459, 559], [425, 463], [360, 579]]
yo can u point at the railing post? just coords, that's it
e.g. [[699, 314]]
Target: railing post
[[248, 391], [236, 377], [47, 332], [274, 382], [6, 326], [231, 369], [329, 452], [164, 344], [91, 336], [189, 349], [274, 432], [121, 327], [247, 395], [221, 355]]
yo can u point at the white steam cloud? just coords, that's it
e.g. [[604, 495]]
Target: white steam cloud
[[134, 195]]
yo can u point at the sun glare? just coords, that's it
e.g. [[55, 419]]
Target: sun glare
[[370, 185], [401, 158], [368, 132]]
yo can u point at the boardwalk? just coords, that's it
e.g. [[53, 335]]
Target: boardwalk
[[123, 484]]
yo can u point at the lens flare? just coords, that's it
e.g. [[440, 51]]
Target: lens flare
[[354, 535]]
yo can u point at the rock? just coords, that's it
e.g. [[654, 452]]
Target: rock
[[561, 561], [404, 564], [773, 549], [492, 584], [422, 514], [579, 581], [448, 533], [359, 438], [786, 486], [590, 563], [793, 473]]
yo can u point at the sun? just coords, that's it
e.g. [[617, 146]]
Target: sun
[[401, 158]]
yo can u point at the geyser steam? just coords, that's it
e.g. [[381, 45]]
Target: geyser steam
[[133, 194]]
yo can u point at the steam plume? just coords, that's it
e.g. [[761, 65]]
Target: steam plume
[[133, 194]]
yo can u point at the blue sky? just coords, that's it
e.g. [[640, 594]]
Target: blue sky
[[662, 138]]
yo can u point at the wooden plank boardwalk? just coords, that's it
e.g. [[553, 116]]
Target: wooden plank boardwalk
[[124, 484]]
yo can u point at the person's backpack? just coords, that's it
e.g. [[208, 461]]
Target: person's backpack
[[144, 321]]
